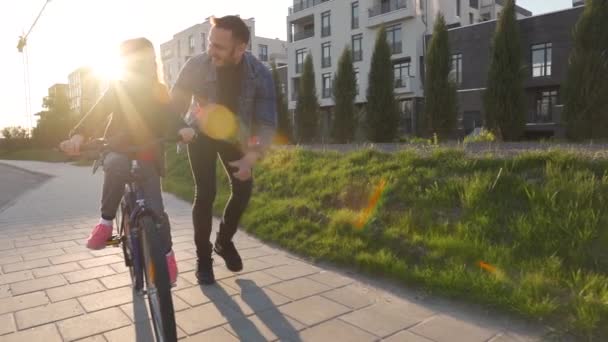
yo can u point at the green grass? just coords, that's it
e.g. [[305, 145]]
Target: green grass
[[37, 154], [539, 221]]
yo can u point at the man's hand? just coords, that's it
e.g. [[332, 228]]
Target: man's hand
[[244, 166], [187, 134], [71, 147]]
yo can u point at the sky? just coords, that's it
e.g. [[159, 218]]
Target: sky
[[74, 33]]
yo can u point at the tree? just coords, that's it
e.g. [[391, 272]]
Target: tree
[[586, 88], [504, 100], [307, 108], [284, 123], [382, 113], [55, 121], [344, 93], [440, 91]]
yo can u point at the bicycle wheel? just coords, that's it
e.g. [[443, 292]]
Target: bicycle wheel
[[157, 281]]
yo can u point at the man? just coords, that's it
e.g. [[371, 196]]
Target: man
[[226, 75]]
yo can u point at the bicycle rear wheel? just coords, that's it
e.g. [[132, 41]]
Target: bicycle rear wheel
[[157, 281]]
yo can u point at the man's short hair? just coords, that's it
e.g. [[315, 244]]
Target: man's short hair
[[234, 24]]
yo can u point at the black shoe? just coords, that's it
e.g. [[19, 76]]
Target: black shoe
[[230, 255], [204, 271]]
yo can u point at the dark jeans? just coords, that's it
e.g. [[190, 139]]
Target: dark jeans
[[203, 153]]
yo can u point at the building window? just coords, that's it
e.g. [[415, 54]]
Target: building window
[[458, 8], [203, 42], [471, 18], [545, 101], [296, 89], [401, 72], [325, 24], [326, 55], [263, 52], [541, 60], [357, 79], [474, 4], [300, 55], [393, 36], [357, 47], [406, 117], [191, 44], [456, 71], [354, 15], [327, 85]]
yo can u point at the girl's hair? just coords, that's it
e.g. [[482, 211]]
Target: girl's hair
[[136, 49]]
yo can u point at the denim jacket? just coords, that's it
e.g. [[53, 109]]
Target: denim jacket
[[257, 112]]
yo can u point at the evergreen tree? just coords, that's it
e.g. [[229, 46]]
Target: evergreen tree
[[344, 92], [307, 108], [504, 100], [382, 113], [586, 89], [440, 91]]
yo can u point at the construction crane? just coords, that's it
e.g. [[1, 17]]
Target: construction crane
[[21, 45], [23, 39]]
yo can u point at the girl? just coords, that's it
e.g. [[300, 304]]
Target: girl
[[136, 109]]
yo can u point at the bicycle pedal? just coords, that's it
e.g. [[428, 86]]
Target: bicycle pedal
[[113, 241]]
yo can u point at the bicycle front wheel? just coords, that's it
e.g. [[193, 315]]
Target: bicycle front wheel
[[157, 282]]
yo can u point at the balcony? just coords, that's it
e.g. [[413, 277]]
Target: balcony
[[403, 85], [303, 35], [326, 62], [304, 4], [326, 31], [387, 11], [357, 56]]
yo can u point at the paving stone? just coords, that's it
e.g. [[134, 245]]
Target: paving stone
[[7, 324], [16, 303], [267, 326], [25, 265], [384, 319], [299, 288], [250, 281], [218, 334], [37, 284], [313, 310], [71, 257], [89, 324], [443, 328], [215, 314], [355, 297], [46, 333], [106, 299], [331, 279], [99, 261], [52, 270], [406, 336], [75, 290], [47, 314], [91, 273], [336, 330], [15, 277], [287, 272]]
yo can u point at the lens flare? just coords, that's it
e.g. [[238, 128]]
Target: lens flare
[[487, 267], [218, 122], [364, 217]]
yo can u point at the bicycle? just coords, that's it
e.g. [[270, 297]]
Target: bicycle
[[137, 232]]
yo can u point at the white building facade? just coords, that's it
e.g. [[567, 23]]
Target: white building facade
[[324, 28], [194, 40]]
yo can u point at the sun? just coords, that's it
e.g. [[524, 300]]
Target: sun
[[108, 68]]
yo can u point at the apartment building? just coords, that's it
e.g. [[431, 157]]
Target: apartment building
[[323, 28], [546, 42], [84, 88], [194, 40]]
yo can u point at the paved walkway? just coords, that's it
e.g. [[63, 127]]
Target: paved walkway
[[53, 289]]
